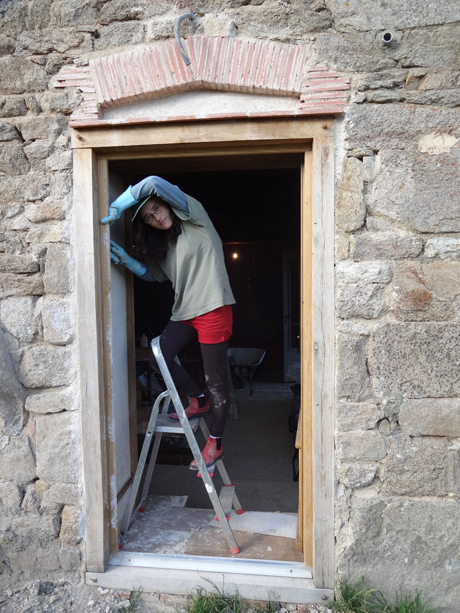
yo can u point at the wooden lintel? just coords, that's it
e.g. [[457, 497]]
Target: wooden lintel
[[234, 132]]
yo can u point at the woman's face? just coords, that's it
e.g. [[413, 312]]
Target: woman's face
[[156, 214]]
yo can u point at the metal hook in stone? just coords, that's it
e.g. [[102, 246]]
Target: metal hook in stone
[[177, 36]]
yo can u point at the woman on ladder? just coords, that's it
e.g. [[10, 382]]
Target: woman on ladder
[[176, 240]]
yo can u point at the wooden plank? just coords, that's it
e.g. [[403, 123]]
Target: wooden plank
[[225, 131], [130, 321], [104, 275], [253, 587], [323, 361], [306, 276], [90, 343], [193, 151]]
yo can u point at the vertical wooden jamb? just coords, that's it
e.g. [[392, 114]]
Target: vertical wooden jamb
[[130, 330], [90, 347], [305, 452], [104, 272], [323, 361]]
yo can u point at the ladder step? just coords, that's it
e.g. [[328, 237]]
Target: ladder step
[[163, 424]]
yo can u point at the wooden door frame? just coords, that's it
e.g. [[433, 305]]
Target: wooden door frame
[[92, 149]]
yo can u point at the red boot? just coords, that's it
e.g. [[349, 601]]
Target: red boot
[[193, 410], [210, 453]]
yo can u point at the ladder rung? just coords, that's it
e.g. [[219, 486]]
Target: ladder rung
[[226, 498], [163, 424]]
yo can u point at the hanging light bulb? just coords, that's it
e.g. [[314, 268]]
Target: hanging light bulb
[[235, 255]]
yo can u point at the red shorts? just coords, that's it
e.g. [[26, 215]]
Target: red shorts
[[213, 327]]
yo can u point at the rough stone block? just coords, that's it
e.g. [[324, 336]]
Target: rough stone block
[[442, 247], [416, 360], [28, 554], [17, 462], [430, 417], [37, 152], [60, 103], [18, 75], [350, 208], [62, 493], [13, 160], [36, 526], [365, 445], [421, 466], [69, 557], [52, 401], [57, 317], [71, 13], [383, 96], [119, 10], [352, 54], [417, 190], [357, 416], [50, 232], [57, 437], [47, 210], [366, 301], [356, 476], [61, 160], [341, 246], [364, 272], [10, 497], [58, 277], [394, 542], [17, 316], [12, 394], [44, 365], [71, 527], [8, 132], [353, 15], [379, 80], [20, 285], [426, 292], [43, 127], [371, 246], [430, 47], [394, 126], [18, 263], [353, 383], [287, 25], [12, 107], [120, 34]]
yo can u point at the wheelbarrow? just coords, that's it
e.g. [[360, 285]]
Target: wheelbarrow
[[243, 364]]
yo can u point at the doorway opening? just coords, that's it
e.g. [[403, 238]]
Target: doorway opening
[[254, 203]]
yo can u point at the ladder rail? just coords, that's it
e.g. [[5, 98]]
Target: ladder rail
[[126, 519], [210, 489], [222, 470]]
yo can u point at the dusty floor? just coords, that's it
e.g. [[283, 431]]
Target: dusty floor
[[73, 597], [258, 457]]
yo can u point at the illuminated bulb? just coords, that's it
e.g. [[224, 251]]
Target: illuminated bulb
[[235, 256]]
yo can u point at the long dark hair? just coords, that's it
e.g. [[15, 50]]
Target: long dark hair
[[152, 244]]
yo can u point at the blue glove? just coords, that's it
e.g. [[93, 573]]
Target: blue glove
[[119, 256], [141, 192], [117, 207]]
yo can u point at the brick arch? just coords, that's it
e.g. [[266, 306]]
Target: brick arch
[[217, 63]]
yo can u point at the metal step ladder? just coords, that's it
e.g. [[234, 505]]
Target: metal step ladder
[[159, 424]]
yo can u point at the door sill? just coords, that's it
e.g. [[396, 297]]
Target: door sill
[[177, 574]]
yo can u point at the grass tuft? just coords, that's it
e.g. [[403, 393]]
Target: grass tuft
[[216, 602], [133, 601], [358, 598]]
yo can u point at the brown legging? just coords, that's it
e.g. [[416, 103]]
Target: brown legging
[[175, 337]]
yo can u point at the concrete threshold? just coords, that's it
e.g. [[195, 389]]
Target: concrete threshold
[[182, 575]]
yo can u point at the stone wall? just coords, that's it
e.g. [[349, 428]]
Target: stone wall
[[397, 251]]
